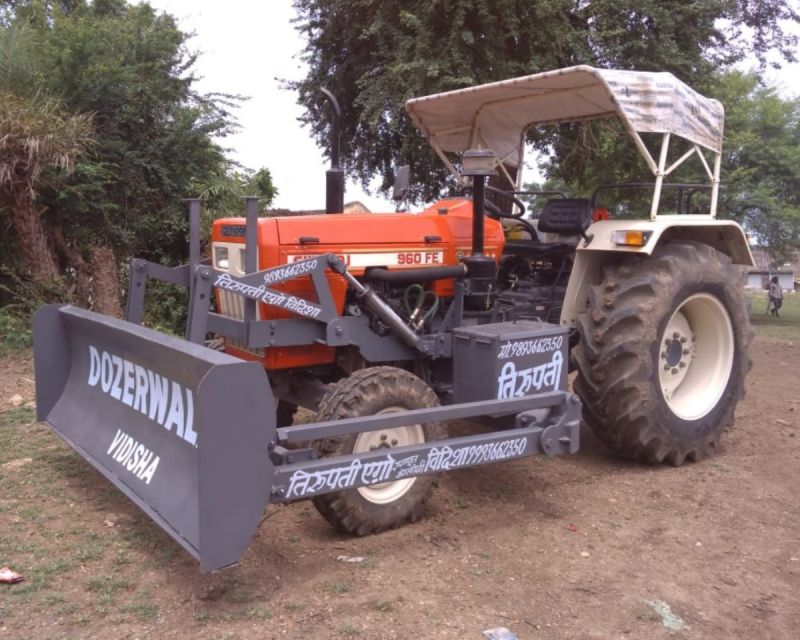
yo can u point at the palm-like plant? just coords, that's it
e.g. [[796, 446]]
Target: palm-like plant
[[38, 139]]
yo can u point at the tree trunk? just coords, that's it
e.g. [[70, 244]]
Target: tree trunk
[[105, 282], [75, 260], [38, 258]]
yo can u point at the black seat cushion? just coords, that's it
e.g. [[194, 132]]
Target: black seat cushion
[[566, 216]]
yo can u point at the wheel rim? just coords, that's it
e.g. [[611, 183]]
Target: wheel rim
[[387, 492], [696, 356]]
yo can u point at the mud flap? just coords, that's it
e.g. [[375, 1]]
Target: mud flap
[[182, 430]]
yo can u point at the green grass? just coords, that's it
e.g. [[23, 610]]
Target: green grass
[[384, 606], [339, 587], [46, 502], [17, 416], [785, 327]]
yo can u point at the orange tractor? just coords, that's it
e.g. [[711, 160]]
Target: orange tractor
[[387, 326]]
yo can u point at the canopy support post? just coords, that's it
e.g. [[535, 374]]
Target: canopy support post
[[660, 171], [715, 185]]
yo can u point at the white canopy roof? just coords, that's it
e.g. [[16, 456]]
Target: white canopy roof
[[497, 115]]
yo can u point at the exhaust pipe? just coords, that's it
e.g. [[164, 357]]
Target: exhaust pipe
[[334, 177]]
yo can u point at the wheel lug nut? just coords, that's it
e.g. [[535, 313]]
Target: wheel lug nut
[[664, 355], [676, 335], [394, 442], [686, 352], [383, 436], [683, 339], [674, 371], [666, 367], [682, 364]]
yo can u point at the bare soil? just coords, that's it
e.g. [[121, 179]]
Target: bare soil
[[570, 547]]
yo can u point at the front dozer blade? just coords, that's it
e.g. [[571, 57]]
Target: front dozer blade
[[182, 430]]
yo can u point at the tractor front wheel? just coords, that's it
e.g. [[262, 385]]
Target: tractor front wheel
[[388, 505], [662, 355]]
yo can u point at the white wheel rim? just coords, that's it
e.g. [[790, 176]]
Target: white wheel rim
[[696, 356], [387, 492]]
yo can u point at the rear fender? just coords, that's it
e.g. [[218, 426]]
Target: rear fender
[[724, 235]]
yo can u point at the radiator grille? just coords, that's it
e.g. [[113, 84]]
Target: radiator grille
[[232, 304]]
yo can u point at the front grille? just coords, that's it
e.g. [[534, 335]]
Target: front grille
[[232, 304]]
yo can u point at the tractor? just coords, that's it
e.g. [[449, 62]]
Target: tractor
[[389, 326]]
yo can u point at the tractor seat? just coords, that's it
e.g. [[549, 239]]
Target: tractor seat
[[563, 216], [566, 216]]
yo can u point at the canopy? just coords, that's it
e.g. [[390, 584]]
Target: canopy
[[497, 115]]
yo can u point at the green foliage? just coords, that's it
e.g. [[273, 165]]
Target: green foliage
[[222, 194], [15, 328], [129, 66], [126, 68], [374, 55], [16, 317], [761, 162]]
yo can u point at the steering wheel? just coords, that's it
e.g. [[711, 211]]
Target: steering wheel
[[493, 211], [518, 204]]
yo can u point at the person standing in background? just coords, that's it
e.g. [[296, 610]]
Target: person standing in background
[[775, 297]]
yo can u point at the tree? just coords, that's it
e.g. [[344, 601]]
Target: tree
[[39, 144], [129, 67], [374, 55], [761, 162]]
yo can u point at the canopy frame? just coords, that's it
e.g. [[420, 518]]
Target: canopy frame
[[644, 102]]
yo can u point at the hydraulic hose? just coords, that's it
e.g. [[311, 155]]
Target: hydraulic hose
[[409, 276]]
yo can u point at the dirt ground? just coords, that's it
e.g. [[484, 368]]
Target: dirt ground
[[586, 546]]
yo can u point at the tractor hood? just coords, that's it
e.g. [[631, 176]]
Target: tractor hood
[[497, 115]]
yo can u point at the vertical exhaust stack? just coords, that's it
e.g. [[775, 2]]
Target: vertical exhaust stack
[[479, 164], [334, 177]]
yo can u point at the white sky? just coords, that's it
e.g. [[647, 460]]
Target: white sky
[[244, 48]]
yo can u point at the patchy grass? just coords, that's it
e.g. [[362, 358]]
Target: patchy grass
[[77, 571], [339, 588], [785, 327], [384, 606], [17, 416]]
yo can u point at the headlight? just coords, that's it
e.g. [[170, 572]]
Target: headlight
[[221, 258]]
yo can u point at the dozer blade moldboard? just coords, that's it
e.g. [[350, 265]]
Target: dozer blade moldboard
[[181, 429]]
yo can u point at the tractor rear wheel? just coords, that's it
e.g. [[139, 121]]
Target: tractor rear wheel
[[388, 505], [662, 354]]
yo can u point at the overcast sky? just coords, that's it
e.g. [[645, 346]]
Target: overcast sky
[[245, 47]]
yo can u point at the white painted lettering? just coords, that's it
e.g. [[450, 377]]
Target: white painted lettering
[[106, 372], [94, 366], [147, 476], [133, 456], [125, 449], [117, 439], [134, 459], [159, 386], [141, 465], [175, 417], [164, 401], [189, 434], [116, 389], [127, 383], [140, 394]]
